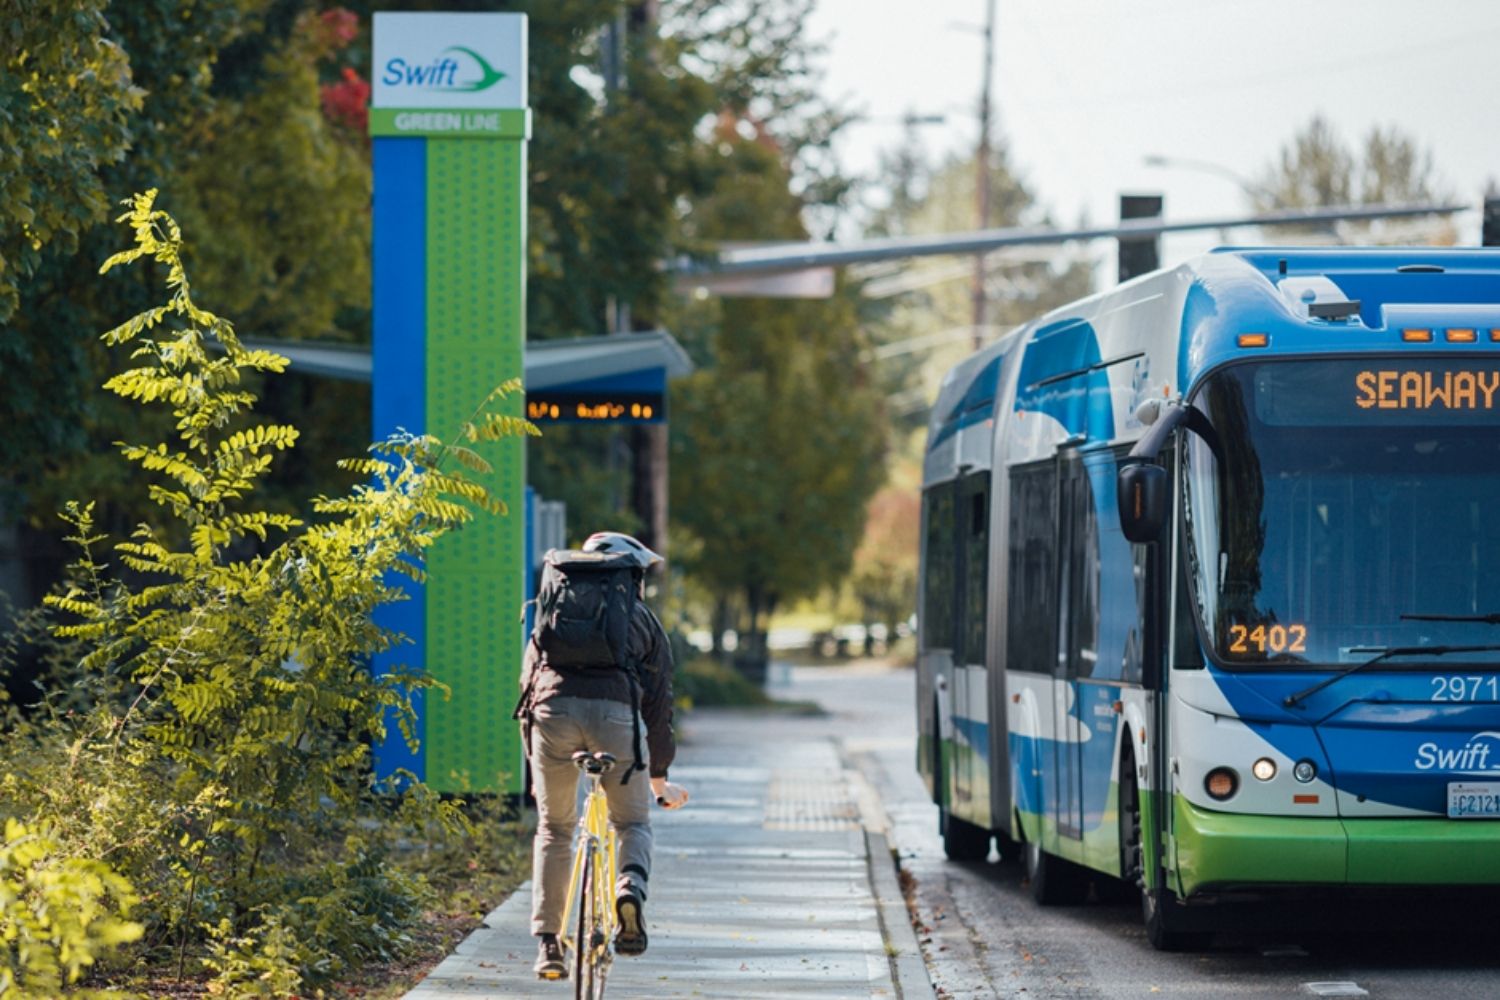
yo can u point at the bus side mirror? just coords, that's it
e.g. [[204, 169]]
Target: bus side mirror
[[1142, 489]]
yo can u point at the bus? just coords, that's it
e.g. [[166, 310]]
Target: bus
[[1210, 585]]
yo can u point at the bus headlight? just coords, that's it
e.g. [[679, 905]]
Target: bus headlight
[[1305, 771], [1221, 783], [1264, 769]]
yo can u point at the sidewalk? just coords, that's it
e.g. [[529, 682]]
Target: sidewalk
[[762, 887]]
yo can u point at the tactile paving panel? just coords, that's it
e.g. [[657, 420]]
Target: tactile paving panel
[[810, 800]]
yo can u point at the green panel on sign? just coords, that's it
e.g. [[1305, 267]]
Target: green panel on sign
[[476, 241], [509, 123]]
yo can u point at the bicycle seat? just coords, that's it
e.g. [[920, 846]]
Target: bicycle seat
[[594, 763]]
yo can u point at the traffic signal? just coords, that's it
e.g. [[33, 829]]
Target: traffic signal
[[1139, 254]]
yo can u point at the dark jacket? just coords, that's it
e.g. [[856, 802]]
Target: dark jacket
[[648, 645]]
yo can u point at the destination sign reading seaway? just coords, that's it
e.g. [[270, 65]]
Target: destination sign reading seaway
[[1398, 389], [1387, 391]]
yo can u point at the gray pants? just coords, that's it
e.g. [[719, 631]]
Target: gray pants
[[561, 726]]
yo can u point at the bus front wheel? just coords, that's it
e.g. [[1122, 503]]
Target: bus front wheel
[[1169, 924]]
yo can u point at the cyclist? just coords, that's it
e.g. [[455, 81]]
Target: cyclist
[[567, 710]]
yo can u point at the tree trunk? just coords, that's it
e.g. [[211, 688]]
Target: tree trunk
[[718, 624], [749, 657]]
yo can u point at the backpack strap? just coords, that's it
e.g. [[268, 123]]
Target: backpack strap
[[635, 725]]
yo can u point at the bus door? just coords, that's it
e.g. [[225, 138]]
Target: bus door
[[1076, 621], [971, 700]]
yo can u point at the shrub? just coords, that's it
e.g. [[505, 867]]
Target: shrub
[[221, 757], [58, 915]]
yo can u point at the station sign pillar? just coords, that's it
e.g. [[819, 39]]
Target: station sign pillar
[[449, 125]]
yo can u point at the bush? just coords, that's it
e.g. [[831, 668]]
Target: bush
[[219, 754], [702, 682], [58, 915]]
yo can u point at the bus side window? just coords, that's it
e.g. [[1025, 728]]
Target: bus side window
[[939, 578], [1187, 653], [1031, 587], [976, 493]]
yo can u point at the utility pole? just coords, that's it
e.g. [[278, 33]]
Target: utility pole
[[982, 171]]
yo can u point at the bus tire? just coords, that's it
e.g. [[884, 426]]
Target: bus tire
[[962, 840], [1054, 882], [1170, 926]]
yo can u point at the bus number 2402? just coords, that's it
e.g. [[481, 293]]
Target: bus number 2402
[[1471, 688], [1260, 639]]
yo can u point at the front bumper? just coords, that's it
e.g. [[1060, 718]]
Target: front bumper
[[1216, 850]]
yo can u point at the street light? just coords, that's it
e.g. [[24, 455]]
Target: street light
[[1253, 191], [909, 120]]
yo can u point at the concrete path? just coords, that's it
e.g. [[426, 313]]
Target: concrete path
[[774, 882]]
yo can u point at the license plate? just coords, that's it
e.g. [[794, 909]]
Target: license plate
[[1474, 800]]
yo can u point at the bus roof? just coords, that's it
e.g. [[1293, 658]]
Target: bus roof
[[1088, 364]]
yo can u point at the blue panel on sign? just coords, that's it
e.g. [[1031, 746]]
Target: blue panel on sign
[[400, 238], [643, 380]]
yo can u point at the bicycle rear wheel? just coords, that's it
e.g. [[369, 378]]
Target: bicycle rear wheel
[[601, 933], [583, 950]]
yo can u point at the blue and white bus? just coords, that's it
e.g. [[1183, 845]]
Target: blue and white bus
[[1210, 584]]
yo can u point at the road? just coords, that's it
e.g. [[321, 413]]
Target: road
[[982, 936]]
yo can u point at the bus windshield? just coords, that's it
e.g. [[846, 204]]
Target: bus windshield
[[1339, 496]]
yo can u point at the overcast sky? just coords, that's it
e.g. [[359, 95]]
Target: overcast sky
[[1085, 89]]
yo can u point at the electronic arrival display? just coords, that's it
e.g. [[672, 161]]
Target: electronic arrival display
[[596, 407], [1385, 391]]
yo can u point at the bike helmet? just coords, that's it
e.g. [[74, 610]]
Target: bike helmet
[[616, 543]]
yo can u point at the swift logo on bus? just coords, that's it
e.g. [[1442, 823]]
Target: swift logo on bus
[[1472, 757]]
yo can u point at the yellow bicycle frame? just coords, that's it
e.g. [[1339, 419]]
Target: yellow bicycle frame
[[595, 838]]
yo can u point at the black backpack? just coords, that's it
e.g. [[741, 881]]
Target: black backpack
[[584, 609]]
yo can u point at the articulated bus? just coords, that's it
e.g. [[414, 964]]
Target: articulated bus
[[1210, 585]]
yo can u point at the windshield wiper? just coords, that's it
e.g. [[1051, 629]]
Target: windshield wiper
[[1292, 699], [1493, 618]]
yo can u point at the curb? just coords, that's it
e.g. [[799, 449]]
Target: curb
[[908, 968], [462, 971]]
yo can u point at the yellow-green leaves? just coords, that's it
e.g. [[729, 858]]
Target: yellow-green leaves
[[243, 651], [58, 915]]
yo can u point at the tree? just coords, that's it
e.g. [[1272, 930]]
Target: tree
[[778, 446], [1316, 168], [228, 113], [931, 307], [884, 576], [66, 102]]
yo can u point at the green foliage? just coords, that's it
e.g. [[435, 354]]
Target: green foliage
[[884, 577], [701, 682], [777, 449], [266, 961], [229, 116], [223, 763], [1318, 168], [67, 98], [298, 263], [58, 916]]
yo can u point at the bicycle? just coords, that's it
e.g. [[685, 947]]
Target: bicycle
[[591, 886]]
